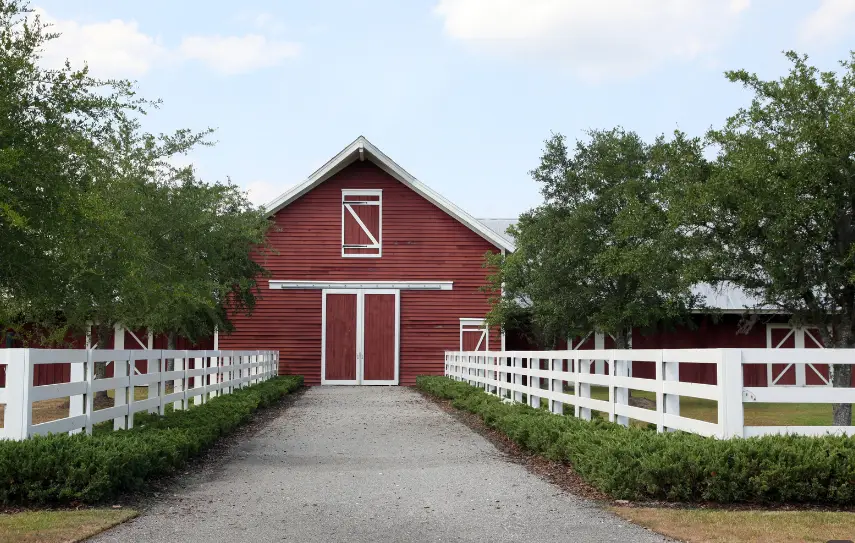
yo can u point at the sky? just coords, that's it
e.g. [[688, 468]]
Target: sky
[[460, 93]]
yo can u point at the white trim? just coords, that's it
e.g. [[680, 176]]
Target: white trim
[[362, 192], [475, 325], [360, 336], [352, 153], [401, 285], [471, 322]]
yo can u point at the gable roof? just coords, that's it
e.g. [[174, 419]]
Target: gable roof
[[362, 149]]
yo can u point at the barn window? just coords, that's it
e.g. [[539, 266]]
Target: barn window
[[361, 223], [474, 335]]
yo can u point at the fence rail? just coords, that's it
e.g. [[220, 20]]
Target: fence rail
[[212, 373], [564, 378]]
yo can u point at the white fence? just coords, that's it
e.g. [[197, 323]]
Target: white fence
[[214, 373], [567, 381]]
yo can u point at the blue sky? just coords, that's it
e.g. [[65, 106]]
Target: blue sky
[[461, 93]]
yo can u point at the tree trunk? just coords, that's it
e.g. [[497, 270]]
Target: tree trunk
[[841, 377], [101, 373], [622, 340], [170, 344]]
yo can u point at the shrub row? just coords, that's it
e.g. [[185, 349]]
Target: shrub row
[[640, 464], [59, 469]]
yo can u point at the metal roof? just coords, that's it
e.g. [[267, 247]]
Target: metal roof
[[500, 226]]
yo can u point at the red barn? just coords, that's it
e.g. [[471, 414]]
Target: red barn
[[374, 276]]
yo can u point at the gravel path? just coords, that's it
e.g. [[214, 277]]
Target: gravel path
[[368, 464]]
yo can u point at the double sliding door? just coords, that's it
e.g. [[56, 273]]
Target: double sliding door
[[361, 337]]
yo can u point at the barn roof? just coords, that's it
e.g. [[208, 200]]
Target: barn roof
[[500, 226], [362, 149]]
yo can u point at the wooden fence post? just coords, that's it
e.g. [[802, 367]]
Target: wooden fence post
[[660, 396], [151, 366], [518, 395], [533, 383], [120, 369], [731, 413], [178, 384], [556, 385], [76, 404], [583, 390], [89, 405], [198, 380], [621, 395], [19, 380], [671, 401]]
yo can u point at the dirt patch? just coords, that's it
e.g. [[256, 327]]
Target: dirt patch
[[643, 403]]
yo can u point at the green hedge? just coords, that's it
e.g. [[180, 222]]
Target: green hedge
[[59, 469], [640, 464]]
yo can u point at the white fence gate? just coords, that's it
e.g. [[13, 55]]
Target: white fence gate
[[567, 381], [214, 373]]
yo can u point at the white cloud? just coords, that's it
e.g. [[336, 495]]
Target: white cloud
[[263, 192], [114, 48], [605, 39], [269, 23], [832, 21], [231, 55], [118, 48]]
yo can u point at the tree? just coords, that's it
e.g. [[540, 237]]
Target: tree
[[778, 211], [599, 253], [96, 225], [52, 125]]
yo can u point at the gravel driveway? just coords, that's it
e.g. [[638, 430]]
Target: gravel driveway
[[368, 464]]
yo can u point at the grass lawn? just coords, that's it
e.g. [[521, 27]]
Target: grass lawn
[[756, 414], [59, 526], [718, 526], [48, 410]]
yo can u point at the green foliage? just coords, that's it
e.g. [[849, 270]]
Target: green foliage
[[600, 252], [96, 223], [639, 464], [59, 469], [776, 215]]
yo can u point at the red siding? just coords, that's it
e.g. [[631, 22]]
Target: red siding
[[420, 242], [706, 333]]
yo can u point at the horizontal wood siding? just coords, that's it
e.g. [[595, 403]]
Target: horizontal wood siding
[[420, 243], [706, 332]]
